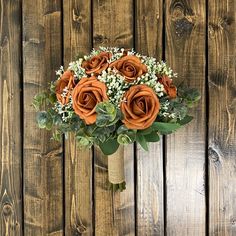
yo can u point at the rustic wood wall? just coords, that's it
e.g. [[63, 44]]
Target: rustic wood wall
[[185, 184]]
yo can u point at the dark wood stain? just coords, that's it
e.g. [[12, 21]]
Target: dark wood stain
[[185, 150], [11, 221], [222, 117], [185, 184]]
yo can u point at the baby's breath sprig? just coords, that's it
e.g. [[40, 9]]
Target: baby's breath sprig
[[75, 66], [116, 86], [64, 110], [60, 72], [158, 68], [164, 110], [150, 80]]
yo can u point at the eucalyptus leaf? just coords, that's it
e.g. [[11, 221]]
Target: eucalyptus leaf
[[42, 119], [165, 128], [109, 147], [185, 120], [142, 141], [152, 137], [125, 139]]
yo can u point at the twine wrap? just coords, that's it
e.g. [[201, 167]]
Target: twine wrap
[[116, 171]]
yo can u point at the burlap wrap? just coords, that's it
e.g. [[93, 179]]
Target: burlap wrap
[[116, 173]]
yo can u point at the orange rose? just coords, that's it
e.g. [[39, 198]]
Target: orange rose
[[86, 95], [97, 63], [170, 89], [130, 67], [140, 107], [65, 82]]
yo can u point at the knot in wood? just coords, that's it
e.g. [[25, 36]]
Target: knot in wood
[[233, 221], [81, 228], [183, 26], [77, 18], [213, 155], [7, 209], [99, 39]]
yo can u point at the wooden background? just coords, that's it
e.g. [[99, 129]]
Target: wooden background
[[185, 184]]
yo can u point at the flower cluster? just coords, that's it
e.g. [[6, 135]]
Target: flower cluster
[[115, 96]]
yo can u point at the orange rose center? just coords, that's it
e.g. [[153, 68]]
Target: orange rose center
[[140, 106], [87, 100]]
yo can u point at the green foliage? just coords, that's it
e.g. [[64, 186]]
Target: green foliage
[[185, 120], [83, 141], [38, 100], [125, 136], [152, 137], [56, 135], [165, 128], [44, 120], [189, 95], [44, 98], [107, 114], [109, 146], [142, 141]]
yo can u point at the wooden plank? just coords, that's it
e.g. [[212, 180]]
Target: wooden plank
[[150, 202], [78, 164], [114, 213], [43, 187], [10, 113], [185, 183], [222, 117]]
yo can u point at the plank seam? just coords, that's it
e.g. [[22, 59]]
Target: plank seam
[[63, 137], [93, 150], [206, 125], [135, 144], [22, 115], [164, 153]]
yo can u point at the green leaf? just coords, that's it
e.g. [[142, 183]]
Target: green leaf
[[42, 119], [107, 114], [142, 141], [122, 129], [83, 141], [145, 131], [165, 128], [109, 147], [49, 124], [126, 138], [190, 95], [56, 135], [152, 137], [125, 135], [38, 100], [185, 120]]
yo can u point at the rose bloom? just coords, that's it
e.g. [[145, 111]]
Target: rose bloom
[[130, 67], [66, 81], [97, 63], [86, 95], [140, 107], [170, 89]]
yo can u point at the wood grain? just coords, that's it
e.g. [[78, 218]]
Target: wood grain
[[78, 163], [185, 181], [114, 213], [43, 178], [10, 119], [150, 202], [222, 117]]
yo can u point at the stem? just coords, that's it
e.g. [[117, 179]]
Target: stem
[[116, 174]]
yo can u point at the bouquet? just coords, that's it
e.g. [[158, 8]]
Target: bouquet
[[113, 97]]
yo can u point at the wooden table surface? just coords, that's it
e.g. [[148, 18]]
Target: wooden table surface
[[185, 184]]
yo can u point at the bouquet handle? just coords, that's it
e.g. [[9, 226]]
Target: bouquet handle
[[116, 173]]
